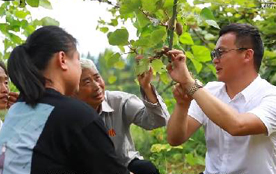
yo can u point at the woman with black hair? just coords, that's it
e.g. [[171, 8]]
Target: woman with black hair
[[46, 132]]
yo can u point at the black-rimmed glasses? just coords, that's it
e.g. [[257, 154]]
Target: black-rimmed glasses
[[217, 53]]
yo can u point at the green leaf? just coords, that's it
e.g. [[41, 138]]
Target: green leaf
[[142, 66], [129, 6], [212, 23], [122, 48], [189, 55], [118, 37], [158, 35], [201, 53], [209, 36], [207, 14], [142, 20], [186, 38], [29, 29], [142, 42], [157, 65], [2, 11], [16, 39], [190, 159], [112, 79], [165, 78], [120, 65], [46, 4], [33, 3], [157, 148], [197, 65], [21, 14], [114, 22], [111, 60], [149, 5], [49, 21], [212, 68], [104, 29], [168, 4]]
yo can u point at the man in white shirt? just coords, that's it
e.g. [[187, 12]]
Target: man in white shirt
[[238, 113]]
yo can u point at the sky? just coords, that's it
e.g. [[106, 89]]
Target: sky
[[79, 18]]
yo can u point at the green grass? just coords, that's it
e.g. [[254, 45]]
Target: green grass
[[187, 158]]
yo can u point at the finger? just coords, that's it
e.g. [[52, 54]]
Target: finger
[[180, 57], [140, 76], [180, 90], [174, 51], [12, 99], [169, 67], [15, 94]]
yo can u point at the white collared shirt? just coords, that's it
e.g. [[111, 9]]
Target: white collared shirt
[[252, 154]]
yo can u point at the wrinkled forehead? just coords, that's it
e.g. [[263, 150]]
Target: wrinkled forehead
[[88, 64], [89, 73]]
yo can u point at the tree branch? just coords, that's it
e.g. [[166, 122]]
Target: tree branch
[[171, 25], [168, 86]]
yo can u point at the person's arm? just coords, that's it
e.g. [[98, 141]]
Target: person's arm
[[221, 114], [181, 126], [145, 83], [230, 120], [151, 112]]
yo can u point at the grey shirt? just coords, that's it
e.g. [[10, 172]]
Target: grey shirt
[[120, 110]]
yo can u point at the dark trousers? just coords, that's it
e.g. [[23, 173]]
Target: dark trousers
[[138, 166]]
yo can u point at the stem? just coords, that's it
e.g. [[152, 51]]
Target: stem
[[171, 29], [201, 38], [168, 87]]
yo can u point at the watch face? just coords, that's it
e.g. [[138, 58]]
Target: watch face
[[199, 83]]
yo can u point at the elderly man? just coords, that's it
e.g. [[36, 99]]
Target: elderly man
[[119, 110], [238, 112]]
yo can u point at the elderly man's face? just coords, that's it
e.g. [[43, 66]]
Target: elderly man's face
[[91, 88]]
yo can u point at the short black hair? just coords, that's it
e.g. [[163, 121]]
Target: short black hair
[[247, 36], [27, 61]]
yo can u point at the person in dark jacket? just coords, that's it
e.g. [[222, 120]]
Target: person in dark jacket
[[46, 131]]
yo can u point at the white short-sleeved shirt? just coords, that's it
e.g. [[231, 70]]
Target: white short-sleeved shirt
[[252, 154]]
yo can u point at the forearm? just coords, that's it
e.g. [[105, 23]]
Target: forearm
[[150, 94], [178, 125]]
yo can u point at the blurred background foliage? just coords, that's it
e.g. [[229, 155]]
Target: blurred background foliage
[[199, 22]]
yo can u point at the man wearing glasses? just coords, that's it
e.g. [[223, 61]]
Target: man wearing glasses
[[238, 112]]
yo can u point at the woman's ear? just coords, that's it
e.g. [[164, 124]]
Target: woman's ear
[[62, 60]]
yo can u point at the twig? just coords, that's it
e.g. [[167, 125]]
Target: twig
[[168, 86], [201, 38], [171, 28]]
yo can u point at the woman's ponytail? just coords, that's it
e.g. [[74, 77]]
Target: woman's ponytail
[[26, 77]]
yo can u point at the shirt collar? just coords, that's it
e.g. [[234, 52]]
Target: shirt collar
[[106, 107], [248, 92], [251, 88]]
